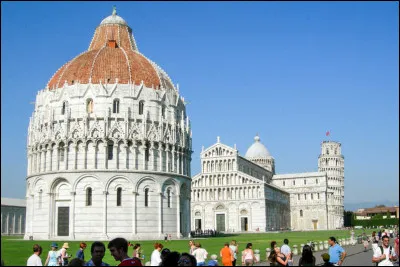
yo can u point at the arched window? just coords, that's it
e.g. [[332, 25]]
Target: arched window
[[146, 154], [64, 107], [89, 105], [316, 181], [40, 198], [283, 183], [294, 182], [119, 196], [146, 197], [305, 196], [318, 195], [116, 106], [169, 198], [163, 112], [301, 213], [141, 107], [110, 148], [89, 196], [298, 197], [312, 196], [61, 152], [305, 182]]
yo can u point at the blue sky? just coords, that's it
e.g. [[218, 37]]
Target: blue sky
[[289, 71]]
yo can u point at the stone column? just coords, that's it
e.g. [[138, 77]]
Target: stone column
[[173, 152], [50, 159], [152, 157], [74, 149], [160, 214], [13, 223], [183, 163], [105, 155], [72, 216], [66, 156], [134, 213], [85, 148], [124, 157], [115, 155], [20, 223], [143, 148], [94, 155], [178, 159], [7, 224], [167, 158], [160, 154], [178, 218], [105, 193], [50, 217], [32, 213], [134, 155]]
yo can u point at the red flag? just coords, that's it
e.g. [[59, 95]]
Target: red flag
[[328, 133]]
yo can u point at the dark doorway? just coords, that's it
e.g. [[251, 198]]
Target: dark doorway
[[197, 223], [220, 222], [63, 221], [244, 224]]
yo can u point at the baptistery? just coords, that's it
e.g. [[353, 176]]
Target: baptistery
[[109, 147]]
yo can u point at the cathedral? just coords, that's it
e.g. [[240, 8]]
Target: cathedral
[[233, 193], [109, 147]]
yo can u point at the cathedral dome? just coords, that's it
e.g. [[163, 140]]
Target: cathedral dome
[[257, 150], [112, 57]]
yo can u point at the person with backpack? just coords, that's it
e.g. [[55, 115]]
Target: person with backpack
[[384, 255]]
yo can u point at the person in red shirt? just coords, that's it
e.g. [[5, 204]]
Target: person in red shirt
[[119, 250]]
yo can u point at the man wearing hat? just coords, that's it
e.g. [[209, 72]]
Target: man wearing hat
[[64, 255], [52, 256], [326, 258]]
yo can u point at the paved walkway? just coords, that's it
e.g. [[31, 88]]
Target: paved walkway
[[355, 257]]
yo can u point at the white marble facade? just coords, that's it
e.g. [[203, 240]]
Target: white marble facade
[[109, 159], [246, 190]]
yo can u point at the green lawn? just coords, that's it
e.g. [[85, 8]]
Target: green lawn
[[16, 251]]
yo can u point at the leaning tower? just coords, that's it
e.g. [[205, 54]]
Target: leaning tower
[[331, 161]]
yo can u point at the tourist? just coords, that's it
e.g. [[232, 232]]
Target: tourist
[[379, 234], [234, 247], [226, 255], [52, 256], [63, 259], [76, 262], [164, 253], [191, 246], [166, 238], [336, 252], [307, 258], [325, 258], [272, 256], [200, 254], [273, 245], [280, 259], [119, 250], [171, 259], [285, 249], [385, 254], [365, 240], [375, 241], [248, 257], [186, 260], [137, 252], [35, 260], [80, 254], [396, 244], [213, 261], [97, 251], [156, 255]]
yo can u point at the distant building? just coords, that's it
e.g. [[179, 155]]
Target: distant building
[[13, 216], [237, 194], [368, 213]]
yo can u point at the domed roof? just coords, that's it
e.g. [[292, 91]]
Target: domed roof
[[112, 56], [257, 150], [114, 19]]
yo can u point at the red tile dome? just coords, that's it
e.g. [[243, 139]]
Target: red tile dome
[[112, 55]]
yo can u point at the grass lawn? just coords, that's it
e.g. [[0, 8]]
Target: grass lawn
[[16, 251]]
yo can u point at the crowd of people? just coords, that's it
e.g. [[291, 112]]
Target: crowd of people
[[230, 255]]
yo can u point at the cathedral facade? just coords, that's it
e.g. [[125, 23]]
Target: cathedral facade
[[109, 147], [239, 194]]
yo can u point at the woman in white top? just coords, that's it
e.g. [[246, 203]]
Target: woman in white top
[[156, 255], [200, 254], [234, 247], [248, 257]]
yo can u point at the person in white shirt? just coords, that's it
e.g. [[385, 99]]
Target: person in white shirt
[[388, 256], [156, 255], [285, 250], [200, 254], [35, 260]]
